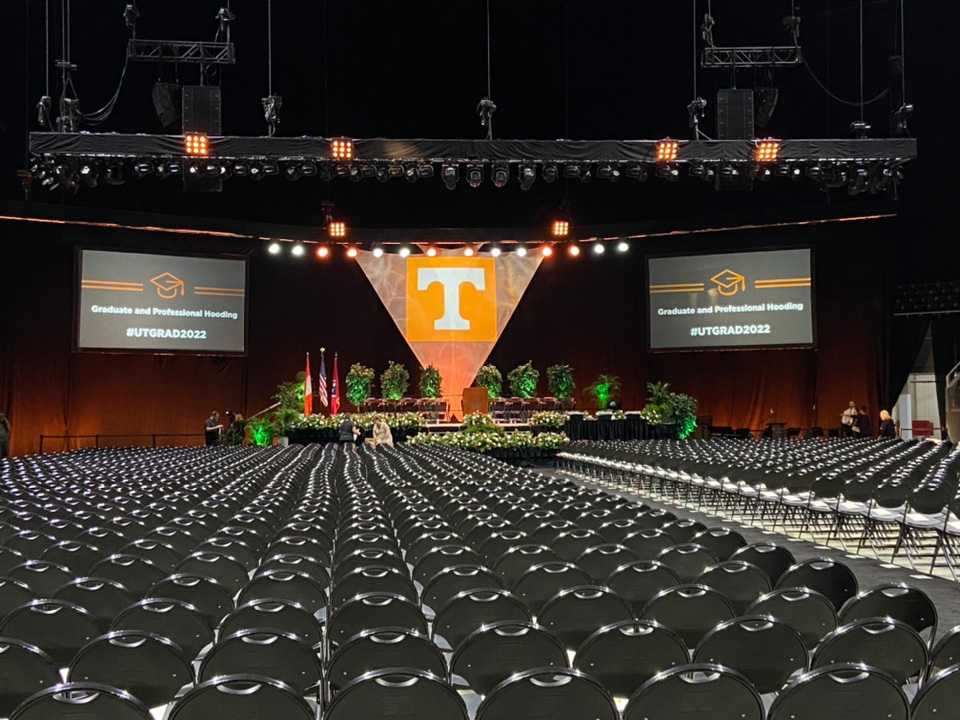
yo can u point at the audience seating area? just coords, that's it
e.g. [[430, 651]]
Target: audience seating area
[[896, 500], [431, 584]]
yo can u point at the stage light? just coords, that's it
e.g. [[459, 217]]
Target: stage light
[[528, 176], [450, 174], [410, 172], [500, 175], [521, 251], [550, 173], [368, 171], [341, 170], [668, 172], [701, 171], [608, 172], [341, 149], [623, 246], [351, 252], [297, 250], [273, 248], [767, 151], [573, 250], [383, 173], [546, 251], [323, 252], [474, 175], [468, 251], [560, 228], [271, 168], [355, 173], [425, 170], [143, 169], [571, 172], [256, 172], [308, 168], [667, 151], [325, 172], [404, 252], [636, 171], [378, 252], [240, 169], [495, 251], [114, 174], [292, 172], [88, 175], [196, 145], [394, 170], [599, 248], [337, 229], [431, 251]]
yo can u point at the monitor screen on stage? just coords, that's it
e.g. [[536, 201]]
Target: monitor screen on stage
[[733, 300], [161, 303]]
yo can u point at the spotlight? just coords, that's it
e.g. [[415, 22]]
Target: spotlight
[[528, 176], [292, 172], [383, 173], [550, 173], [425, 170], [623, 246], [341, 149], [468, 251], [410, 172], [308, 168], [450, 174], [701, 171], [273, 248], [729, 172], [337, 229], [394, 170], [495, 251], [114, 174], [368, 171], [668, 172], [599, 248], [256, 172], [767, 151], [325, 172], [341, 170], [501, 175], [271, 168], [636, 171], [351, 252], [404, 252], [521, 251], [196, 145], [474, 175], [573, 250], [240, 169], [378, 252], [355, 173], [88, 175], [297, 250], [667, 151], [608, 172], [560, 228], [143, 169], [431, 251], [571, 172], [323, 252], [546, 251]]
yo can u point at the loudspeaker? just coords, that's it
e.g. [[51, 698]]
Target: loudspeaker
[[166, 101], [735, 118], [201, 109]]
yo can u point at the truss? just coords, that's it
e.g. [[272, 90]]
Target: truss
[[175, 51], [751, 57]]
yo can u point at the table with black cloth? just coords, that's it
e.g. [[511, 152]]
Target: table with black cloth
[[605, 428]]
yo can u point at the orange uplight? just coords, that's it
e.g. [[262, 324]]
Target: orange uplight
[[767, 151], [431, 251], [323, 252], [573, 250], [337, 229], [546, 251], [341, 149], [351, 252], [196, 145], [667, 151], [560, 228]]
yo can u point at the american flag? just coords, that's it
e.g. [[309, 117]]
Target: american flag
[[322, 382]]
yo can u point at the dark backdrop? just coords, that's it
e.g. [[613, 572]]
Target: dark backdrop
[[589, 313]]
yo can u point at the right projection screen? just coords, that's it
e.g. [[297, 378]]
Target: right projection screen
[[733, 300]]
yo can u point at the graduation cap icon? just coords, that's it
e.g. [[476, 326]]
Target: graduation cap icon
[[729, 282], [168, 285]]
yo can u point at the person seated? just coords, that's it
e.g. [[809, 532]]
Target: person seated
[[348, 432], [887, 427], [382, 434]]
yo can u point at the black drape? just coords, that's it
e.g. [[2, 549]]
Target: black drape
[[906, 339], [946, 354]]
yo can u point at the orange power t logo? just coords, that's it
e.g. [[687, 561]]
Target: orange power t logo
[[451, 298]]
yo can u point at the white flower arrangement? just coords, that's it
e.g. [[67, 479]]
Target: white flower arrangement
[[548, 419]]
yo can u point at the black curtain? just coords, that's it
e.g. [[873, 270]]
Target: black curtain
[[946, 354], [906, 339]]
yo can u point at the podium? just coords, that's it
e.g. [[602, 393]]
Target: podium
[[475, 400]]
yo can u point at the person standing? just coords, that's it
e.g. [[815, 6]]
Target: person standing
[[212, 429], [887, 427], [4, 436], [847, 420], [861, 424]]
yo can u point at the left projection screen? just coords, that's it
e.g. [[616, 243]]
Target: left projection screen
[[139, 302]]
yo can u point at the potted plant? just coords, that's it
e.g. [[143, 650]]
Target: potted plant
[[359, 384], [394, 381], [489, 377], [560, 382], [604, 389], [523, 380], [289, 397], [430, 382], [671, 414]]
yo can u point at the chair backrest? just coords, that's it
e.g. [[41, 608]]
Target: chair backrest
[[722, 542], [471, 609], [242, 696], [271, 653], [939, 696], [150, 667], [274, 613], [410, 694], [901, 602], [946, 652], [695, 692], [890, 645], [57, 627], [691, 610], [741, 582], [544, 580], [601, 560], [648, 543], [574, 613], [135, 573], [82, 701], [764, 650], [806, 611], [208, 596], [640, 580], [624, 655], [13, 593], [683, 530], [688, 561], [832, 579], [178, 620], [556, 693], [373, 578], [25, 669], [773, 559], [494, 652], [42, 577], [446, 584], [441, 556], [841, 692], [225, 570], [372, 610], [384, 648], [105, 599]]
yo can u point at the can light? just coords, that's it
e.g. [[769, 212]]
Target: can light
[[431, 251], [468, 251], [546, 251], [623, 246], [521, 251], [599, 248], [273, 248], [404, 252], [351, 252], [573, 250], [323, 252], [378, 252], [298, 250]]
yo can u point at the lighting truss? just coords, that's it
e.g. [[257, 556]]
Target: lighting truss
[[751, 57], [178, 51]]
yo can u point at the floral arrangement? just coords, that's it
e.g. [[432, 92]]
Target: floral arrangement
[[548, 419], [480, 423], [396, 421], [489, 377], [486, 442]]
